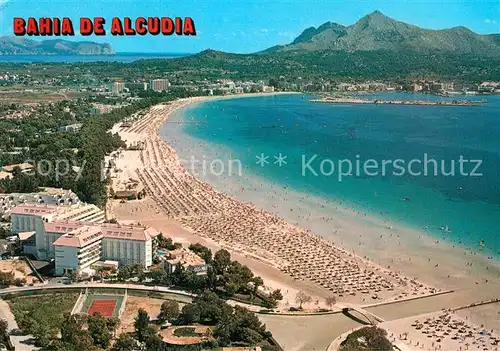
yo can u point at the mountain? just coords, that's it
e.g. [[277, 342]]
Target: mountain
[[23, 46], [379, 32]]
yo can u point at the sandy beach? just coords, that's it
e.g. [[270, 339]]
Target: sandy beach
[[362, 261]]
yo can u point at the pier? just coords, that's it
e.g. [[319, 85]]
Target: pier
[[348, 100]]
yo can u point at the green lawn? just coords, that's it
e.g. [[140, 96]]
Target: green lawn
[[185, 331]]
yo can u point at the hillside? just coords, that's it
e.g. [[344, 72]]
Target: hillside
[[378, 32], [23, 46]]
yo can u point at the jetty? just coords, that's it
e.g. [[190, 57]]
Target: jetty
[[349, 100]]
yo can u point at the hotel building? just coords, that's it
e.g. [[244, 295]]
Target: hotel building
[[136, 86], [117, 87], [159, 84], [80, 248], [39, 218], [76, 237]]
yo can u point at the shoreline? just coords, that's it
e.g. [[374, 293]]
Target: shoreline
[[199, 208], [441, 251]]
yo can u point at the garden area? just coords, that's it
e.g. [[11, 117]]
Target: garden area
[[41, 315]]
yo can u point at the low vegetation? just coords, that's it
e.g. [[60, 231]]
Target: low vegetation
[[227, 278], [367, 339], [231, 326], [8, 279], [42, 315]]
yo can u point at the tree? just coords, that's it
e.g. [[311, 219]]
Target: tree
[[222, 259], [73, 276], [330, 301], [257, 281], [212, 308], [98, 328], [373, 339], [43, 335], [152, 340], [272, 299], [70, 328], [169, 311], [140, 324], [237, 277], [302, 298], [241, 326], [125, 343], [190, 314], [211, 278], [72, 333], [167, 243], [204, 252], [4, 334]]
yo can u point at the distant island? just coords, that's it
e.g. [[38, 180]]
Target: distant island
[[23, 46]]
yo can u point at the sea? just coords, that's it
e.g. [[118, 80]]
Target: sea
[[118, 57], [288, 142]]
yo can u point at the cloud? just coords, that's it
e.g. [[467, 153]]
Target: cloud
[[3, 3], [264, 30], [487, 21]]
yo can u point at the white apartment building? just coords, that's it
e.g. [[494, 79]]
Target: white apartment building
[[128, 245], [117, 87], [38, 218], [77, 250], [76, 237], [136, 86], [159, 84], [87, 244]]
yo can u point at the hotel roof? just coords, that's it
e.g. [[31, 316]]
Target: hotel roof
[[34, 209], [117, 231], [80, 237], [107, 230], [64, 227]]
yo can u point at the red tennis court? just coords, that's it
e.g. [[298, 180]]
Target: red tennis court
[[104, 307]]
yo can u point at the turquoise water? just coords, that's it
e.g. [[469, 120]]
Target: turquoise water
[[293, 126]]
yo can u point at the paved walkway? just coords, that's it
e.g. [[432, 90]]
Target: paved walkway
[[96, 285]]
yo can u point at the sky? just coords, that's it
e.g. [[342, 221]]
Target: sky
[[244, 26]]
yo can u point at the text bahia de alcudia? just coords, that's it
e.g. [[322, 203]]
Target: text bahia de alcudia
[[47, 26]]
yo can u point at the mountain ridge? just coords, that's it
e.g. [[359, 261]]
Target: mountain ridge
[[25, 46], [377, 31]]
